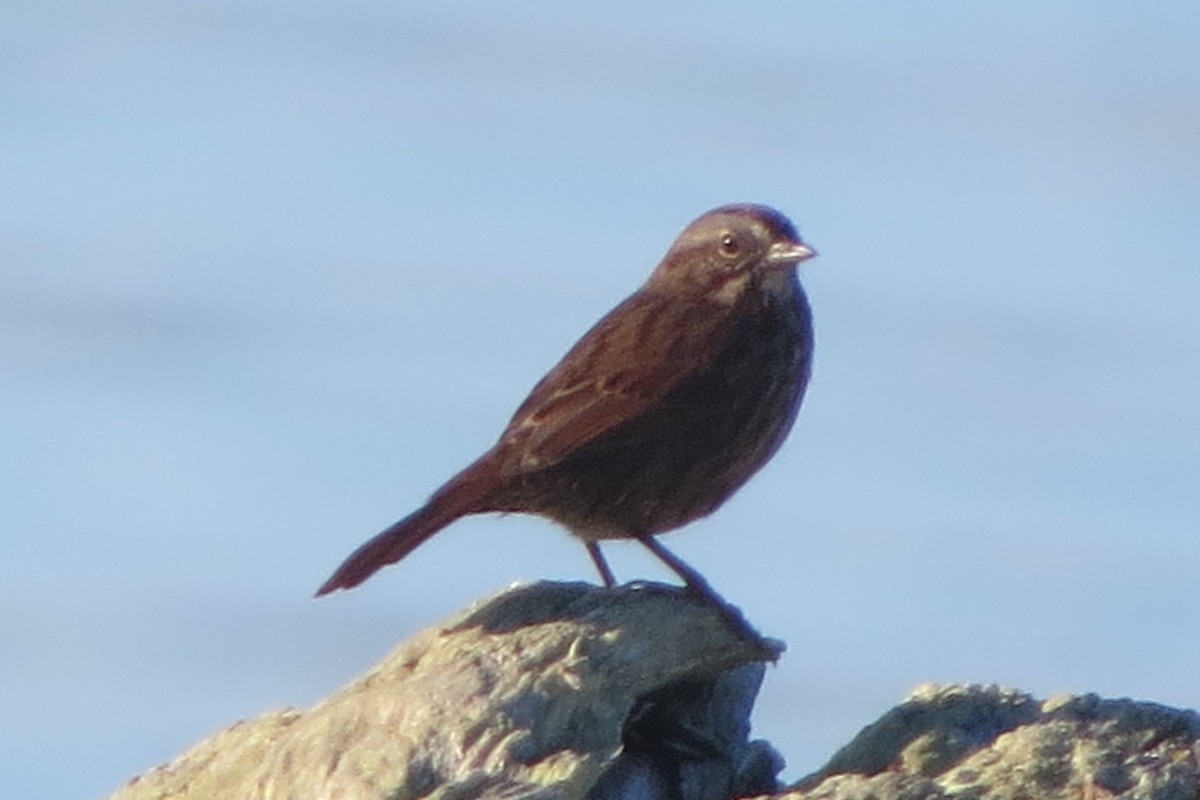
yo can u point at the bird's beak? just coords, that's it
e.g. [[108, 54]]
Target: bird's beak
[[786, 254]]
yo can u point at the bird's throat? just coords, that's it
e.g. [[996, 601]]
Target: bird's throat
[[732, 289]]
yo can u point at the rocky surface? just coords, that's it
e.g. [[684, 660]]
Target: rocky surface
[[574, 692], [988, 742], [546, 691]]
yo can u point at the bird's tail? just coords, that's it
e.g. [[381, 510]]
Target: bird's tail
[[464, 494]]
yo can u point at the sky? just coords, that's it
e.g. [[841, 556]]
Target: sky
[[270, 272]]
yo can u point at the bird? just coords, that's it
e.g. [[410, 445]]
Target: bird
[[658, 414]]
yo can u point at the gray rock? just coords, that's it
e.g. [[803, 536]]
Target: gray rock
[[988, 742], [547, 691], [571, 692]]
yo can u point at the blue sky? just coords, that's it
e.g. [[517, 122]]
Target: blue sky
[[270, 272]]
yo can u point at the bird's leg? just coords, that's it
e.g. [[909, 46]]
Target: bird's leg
[[691, 578], [606, 573], [696, 584]]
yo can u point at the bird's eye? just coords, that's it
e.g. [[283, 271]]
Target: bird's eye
[[730, 246]]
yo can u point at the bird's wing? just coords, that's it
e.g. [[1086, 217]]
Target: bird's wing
[[627, 363]]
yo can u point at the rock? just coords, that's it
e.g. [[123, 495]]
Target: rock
[[570, 692], [546, 691], [984, 741]]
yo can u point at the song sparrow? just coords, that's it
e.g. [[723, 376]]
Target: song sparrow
[[658, 414]]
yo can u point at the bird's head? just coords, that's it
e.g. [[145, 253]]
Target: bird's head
[[729, 249]]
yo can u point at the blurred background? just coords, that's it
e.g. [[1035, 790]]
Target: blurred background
[[271, 271]]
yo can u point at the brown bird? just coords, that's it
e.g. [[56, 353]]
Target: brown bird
[[658, 414]]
